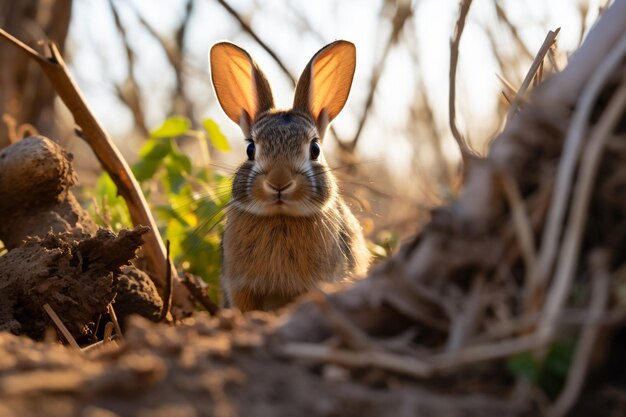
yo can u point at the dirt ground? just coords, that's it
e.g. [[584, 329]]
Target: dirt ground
[[228, 366], [221, 366]]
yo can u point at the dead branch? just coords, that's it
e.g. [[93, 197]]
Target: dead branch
[[167, 293], [200, 296], [174, 54], [248, 29], [403, 365], [419, 368], [464, 322], [576, 376], [59, 323], [573, 234], [354, 337], [524, 232], [471, 237], [403, 14], [466, 151], [584, 62], [129, 92], [537, 63], [116, 324], [571, 150], [504, 18]]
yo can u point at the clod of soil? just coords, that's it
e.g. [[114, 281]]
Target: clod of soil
[[136, 294], [77, 278], [35, 195], [55, 255]]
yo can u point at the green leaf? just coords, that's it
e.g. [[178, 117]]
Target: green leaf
[[152, 154], [555, 367], [145, 169], [175, 233], [174, 180], [105, 195], [215, 134], [179, 162], [525, 366], [155, 149], [548, 372], [106, 187], [174, 126]]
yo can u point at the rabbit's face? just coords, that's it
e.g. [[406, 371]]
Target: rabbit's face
[[286, 173]]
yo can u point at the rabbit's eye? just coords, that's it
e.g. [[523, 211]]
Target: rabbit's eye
[[250, 151], [315, 150]]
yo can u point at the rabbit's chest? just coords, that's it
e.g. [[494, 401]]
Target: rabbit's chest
[[286, 255]]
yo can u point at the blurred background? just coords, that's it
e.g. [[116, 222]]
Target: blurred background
[[142, 62]]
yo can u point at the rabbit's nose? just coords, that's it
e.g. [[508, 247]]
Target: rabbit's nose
[[283, 188], [279, 180]]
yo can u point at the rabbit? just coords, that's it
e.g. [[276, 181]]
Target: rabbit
[[287, 229]]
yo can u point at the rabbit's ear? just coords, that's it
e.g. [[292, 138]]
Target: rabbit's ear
[[240, 86], [324, 85]]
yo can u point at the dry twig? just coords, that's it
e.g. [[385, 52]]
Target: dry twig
[[578, 370], [569, 159], [108, 332], [409, 365], [102, 343], [403, 13], [537, 63], [113, 316], [464, 323], [248, 29], [403, 365], [354, 337], [509, 91], [59, 323], [167, 293], [524, 232], [129, 92], [466, 151], [174, 53], [200, 295], [504, 18], [581, 201]]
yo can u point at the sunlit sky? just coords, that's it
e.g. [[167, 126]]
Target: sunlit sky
[[97, 54]]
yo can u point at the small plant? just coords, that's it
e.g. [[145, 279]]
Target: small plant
[[548, 372], [383, 245], [188, 201]]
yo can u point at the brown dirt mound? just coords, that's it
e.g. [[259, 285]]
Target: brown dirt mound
[[77, 278]]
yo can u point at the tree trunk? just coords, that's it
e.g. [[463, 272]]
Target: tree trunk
[[25, 95]]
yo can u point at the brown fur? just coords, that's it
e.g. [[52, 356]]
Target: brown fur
[[287, 229], [270, 260]]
